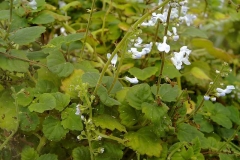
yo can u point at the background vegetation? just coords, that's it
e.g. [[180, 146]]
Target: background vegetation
[[62, 97]]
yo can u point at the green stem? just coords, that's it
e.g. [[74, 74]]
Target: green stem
[[119, 140], [22, 59], [42, 142], [175, 150], [229, 139], [206, 94], [88, 25], [127, 35], [10, 20], [171, 113], [14, 95], [118, 69], [104, 19], [163, 53], [89, 138]]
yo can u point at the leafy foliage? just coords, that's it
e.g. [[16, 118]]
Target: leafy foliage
[[169, 90]]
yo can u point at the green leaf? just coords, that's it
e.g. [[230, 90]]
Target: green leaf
[[70, 120], [139, 94], [222, 120], [46, 102], [26, 97], [53, 130], [69, 83], [188, 133], [58, 65], [48, 157], [4, 14], [28, 120], [14, 64], [81, 153], [144, 141], [194, 32], [167, 92], [143, 74], [62, 100], [75, 4], [107, 81], [204, 124], [227, 157], [234, 114], [45, 86], [20, 37], [29, 153], [91, 78], [112, 150], [104, 97], [199, 73], [128, 115], [154, 112], [43, 18], [107, 121], [7, 112]]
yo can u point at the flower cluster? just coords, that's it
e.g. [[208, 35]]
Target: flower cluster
[[220, 93], [145, 48]]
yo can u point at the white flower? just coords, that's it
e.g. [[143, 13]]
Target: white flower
[[163, 46], [184, 10], [101, 150], [138, 54], [61, 4], [213, 99], [176, 36], [206, 97], [114, 60], [63, 31], [33, 4], [217, 71], [131, 80], [223, 92], [181, 57], [78, 112], [189, 18], [138, 42]]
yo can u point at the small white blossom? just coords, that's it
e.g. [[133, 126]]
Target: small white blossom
[[181, 57], [189, 18], [213, 99], [61, 4], [223, 92], [78, 112], [99, 138], [206, 97], [217, 71], [101, 150], [33, 4], [63, 31], [131, 80], [138, 42], [176, 36], [114, 60], [184, 10], [163, 46]]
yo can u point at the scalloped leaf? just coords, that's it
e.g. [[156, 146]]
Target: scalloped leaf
[[144, 141], [58, 65], [167, 92], [14, 64], [19, 37], [53, 130], [143, 74], [7, 111], [107, 121], [138, 94], [128, 115], [46, 102], [48, 157], [105, 98], [62, 100], [70, 120], [154, 112], [28, 120], [81, 153], [29, 153]]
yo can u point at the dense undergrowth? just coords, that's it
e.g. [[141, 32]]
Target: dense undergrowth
[[111, 80]]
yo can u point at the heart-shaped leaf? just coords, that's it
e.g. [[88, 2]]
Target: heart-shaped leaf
[[143, 74]]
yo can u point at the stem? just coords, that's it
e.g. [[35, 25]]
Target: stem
[[10, 19], [175, 150], [118, 69], [163, 53], [119, 140], [229, 139], [22, 59], [104, 19], [127, 35], [206, 94], [89, 138], [88, 25], [175, 105], [14, 95]]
